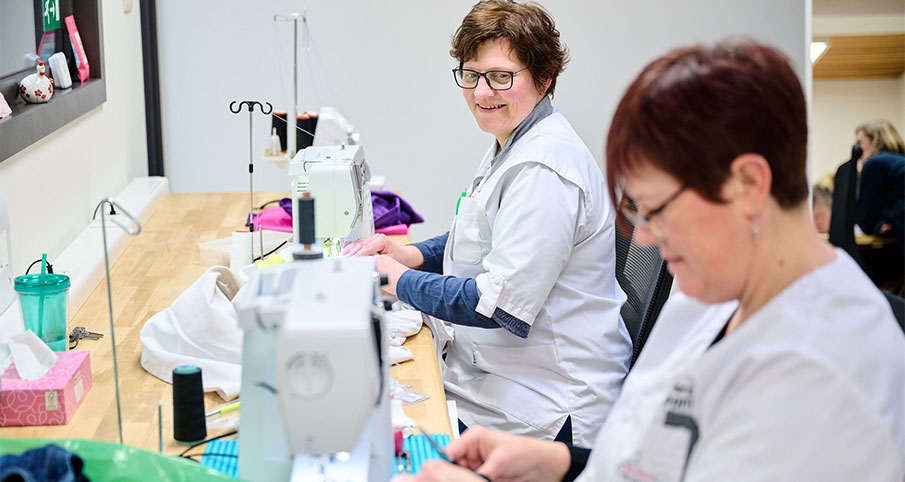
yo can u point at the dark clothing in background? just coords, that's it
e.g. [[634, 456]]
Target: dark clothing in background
[[881, 198]]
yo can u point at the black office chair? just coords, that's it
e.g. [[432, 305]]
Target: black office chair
[[842, 217], [643, 277], [898, 308]]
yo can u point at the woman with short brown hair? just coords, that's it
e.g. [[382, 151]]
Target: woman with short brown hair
[[526, 274]]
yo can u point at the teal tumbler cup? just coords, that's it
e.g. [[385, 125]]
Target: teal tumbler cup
[[43, 299]]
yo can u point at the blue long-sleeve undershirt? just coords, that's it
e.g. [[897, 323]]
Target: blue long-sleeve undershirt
[[432, 250], [448, 297]]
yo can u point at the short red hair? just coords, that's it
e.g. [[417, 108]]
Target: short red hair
[[691, 112]]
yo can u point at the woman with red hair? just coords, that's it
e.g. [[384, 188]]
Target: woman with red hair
[[778, 359]]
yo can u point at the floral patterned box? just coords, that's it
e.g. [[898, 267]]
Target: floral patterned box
[[49, 400]]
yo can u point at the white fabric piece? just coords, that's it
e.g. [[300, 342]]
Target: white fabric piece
[[536, 232], [29, 354], [398, 354], [200, 328], [400, 325], [810, 387], [400, 420]]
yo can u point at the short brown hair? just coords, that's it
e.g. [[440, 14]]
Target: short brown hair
[[691, 112], [527, 27]]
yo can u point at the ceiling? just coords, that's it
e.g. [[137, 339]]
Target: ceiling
[[862, 56], [858, 7]]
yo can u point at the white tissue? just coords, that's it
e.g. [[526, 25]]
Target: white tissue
[[31, 356]]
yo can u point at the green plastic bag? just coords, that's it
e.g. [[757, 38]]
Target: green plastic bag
[[105, 461]]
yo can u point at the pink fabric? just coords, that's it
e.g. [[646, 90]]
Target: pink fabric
[[30, 402], [273, 219], [394, 229]]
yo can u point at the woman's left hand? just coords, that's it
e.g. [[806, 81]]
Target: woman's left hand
[[393, 269]]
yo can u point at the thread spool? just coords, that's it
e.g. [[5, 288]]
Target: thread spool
[[278, 122], [240, 250], [301, 137], [188, 405]]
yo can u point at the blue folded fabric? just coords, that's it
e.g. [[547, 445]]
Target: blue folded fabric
[[44, 464]]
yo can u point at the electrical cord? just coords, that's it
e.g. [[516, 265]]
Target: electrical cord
[[268, 203], [112, 211], [206, 441], [189, 456], [49, 266], [274, 250]]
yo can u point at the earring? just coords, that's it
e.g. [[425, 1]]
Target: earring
[[755, 230]]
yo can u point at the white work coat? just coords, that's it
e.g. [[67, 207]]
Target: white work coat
[[536, 232], [810, 387]]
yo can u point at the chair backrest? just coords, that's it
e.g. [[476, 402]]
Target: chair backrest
[[898, 308], [642, 275]]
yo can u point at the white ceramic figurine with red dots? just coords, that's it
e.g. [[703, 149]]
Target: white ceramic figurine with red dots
[[36, 88]]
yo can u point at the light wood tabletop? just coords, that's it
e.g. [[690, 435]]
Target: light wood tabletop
[[158, 265]]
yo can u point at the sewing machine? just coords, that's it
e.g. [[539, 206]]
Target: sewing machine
[[315, 403], [339, 179]]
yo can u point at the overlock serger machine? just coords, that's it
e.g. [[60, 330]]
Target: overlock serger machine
[[315, 396], [339, 178]]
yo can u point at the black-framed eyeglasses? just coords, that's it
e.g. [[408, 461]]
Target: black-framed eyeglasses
[[629, 209], [496, 79]]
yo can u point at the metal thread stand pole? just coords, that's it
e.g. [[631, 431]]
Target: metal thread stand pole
[[119, 411], [235, 107], [292, 115], [251, 187]]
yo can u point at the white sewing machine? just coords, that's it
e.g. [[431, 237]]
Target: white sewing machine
[[315, 399], [338, 178]]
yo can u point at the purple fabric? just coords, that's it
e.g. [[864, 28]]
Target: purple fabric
[[286, 204], [390, 209]]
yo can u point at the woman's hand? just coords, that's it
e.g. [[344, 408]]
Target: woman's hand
[[393, 269], [499, 456], [409, 256]]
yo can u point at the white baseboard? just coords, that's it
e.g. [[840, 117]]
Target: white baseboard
[[83, 259]]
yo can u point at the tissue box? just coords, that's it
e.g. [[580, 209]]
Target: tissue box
[[49, 400]]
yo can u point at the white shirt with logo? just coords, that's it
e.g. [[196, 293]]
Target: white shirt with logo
[[810, 388]]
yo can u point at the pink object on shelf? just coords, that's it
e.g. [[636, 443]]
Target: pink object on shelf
[[78, 50], [49, 400], [396, 229]]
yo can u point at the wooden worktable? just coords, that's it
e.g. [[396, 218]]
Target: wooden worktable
[[159, 264]]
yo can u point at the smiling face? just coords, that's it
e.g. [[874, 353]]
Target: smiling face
[[499, 112], [702, 242]]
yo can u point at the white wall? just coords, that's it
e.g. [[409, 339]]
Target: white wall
[[52, 187], [386, 66], [840, 105]]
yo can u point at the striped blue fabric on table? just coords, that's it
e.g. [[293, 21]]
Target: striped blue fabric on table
[[223, 455]]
